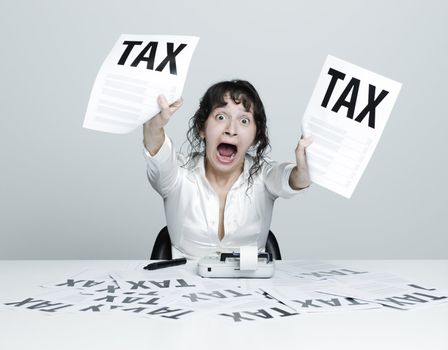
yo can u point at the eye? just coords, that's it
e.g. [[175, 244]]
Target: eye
[[245, 121], [220, 117]]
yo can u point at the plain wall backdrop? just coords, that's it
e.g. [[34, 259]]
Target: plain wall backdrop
[[72, 193]]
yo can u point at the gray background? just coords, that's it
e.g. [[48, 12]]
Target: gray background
[[67, 192]]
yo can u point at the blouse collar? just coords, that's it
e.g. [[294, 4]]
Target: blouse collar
[[198, 170]]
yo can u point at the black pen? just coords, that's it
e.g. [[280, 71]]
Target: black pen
[[165, 263]]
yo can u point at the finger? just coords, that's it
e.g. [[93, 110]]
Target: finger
[[176, 105], [303, 137], [163, 103], [178, 102], [301, 154], [165, 111], [307, 141], [303, 143]]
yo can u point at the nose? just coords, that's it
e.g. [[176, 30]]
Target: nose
[[231, 128]]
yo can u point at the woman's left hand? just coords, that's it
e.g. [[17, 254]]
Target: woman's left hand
[[300, 177]]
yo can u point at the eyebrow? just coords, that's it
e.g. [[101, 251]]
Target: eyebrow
[[223, 109]]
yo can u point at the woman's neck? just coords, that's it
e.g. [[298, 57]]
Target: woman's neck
[[222, 180]]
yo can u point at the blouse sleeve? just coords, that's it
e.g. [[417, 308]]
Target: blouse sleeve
[[162, 168], [276, 179]]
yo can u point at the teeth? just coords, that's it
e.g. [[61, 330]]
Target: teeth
[[232, 156]]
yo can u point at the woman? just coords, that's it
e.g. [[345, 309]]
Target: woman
[[222, 195]]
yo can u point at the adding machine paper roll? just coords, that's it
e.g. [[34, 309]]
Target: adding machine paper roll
[[248, 258]]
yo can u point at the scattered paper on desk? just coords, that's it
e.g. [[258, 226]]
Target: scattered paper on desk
[[299, 288], [310, 301], [346, 116], [388, 290], [136, 71]]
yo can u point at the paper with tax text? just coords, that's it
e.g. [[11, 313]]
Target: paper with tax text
[[136, 71], [345, 116], [298, 289]]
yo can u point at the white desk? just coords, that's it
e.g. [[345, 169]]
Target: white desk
[[377, 329]]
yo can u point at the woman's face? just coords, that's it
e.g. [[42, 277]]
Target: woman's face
[[229, 131]]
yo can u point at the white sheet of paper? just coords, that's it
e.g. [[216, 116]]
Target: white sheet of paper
[[345, 116], [136, 71], [167, 279], [259, 308], [309, 301], [314, 270]]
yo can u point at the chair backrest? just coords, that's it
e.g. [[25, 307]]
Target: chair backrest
[[162, 246], [272, 247]]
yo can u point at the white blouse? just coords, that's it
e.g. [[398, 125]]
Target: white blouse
[[192, 205]]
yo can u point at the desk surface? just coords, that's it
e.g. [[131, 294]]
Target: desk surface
[[425, 328]]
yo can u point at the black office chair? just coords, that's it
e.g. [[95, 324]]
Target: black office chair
[[162, 246]]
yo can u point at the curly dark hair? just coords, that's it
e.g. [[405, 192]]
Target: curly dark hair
[[240, 91]]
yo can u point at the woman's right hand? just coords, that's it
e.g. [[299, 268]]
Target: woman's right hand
[[153, 133], [166, 111]]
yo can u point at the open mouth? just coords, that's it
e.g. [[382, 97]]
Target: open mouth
[[226, 152]]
